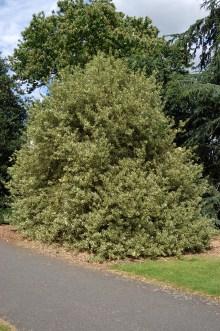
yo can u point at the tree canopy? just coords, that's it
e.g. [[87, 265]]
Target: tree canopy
[[73, 34], [204, 35]]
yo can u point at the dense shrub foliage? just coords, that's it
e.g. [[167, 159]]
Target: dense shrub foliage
[[100, 172]]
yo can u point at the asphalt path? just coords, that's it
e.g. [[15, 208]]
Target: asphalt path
[[40, 293]]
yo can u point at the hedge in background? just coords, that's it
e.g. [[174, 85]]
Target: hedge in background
[[100, 172]]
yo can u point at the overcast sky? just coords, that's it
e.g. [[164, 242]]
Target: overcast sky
[[170, 16]]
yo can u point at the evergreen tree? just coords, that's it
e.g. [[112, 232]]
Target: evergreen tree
[[11, 123], [194, 98], [204, 35]]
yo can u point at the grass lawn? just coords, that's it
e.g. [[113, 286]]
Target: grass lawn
[[199, 274], [4, 326]]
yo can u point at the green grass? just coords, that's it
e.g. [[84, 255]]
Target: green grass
[[4, 328], [197, 274]]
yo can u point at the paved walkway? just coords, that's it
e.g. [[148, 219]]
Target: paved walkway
[[39, 293]]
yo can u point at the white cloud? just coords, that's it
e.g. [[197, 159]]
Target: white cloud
[[170, 16], [15, 16]]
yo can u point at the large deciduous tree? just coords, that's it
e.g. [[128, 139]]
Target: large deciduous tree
[[73, 34], [100, 172]]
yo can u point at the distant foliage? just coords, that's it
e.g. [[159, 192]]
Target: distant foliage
[[12, 114], [100, 172]]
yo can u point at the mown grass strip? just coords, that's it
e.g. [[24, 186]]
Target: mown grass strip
[[198, 274], [5, 326]]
